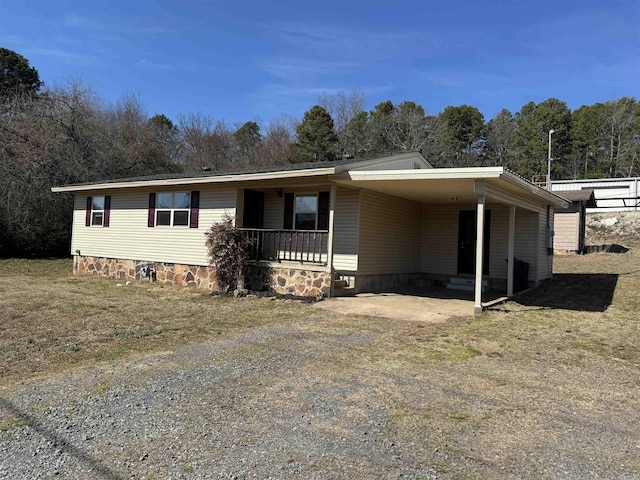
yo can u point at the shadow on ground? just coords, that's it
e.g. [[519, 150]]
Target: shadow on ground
[[581, 292], [608, 248], [98, 469]]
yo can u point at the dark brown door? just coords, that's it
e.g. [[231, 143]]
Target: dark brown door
[[467, 242], [253, 209]]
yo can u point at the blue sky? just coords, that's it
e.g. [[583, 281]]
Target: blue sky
[[246, 60]]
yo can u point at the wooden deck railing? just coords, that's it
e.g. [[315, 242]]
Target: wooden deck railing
[[305, 246]]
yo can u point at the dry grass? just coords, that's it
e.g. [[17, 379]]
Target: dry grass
[[542, 387], [51, 320]]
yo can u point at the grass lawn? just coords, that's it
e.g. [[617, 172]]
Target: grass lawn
[[52, 320], [531, 387]]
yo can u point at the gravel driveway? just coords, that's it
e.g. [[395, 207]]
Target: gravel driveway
[[317, 399], [230, 409]]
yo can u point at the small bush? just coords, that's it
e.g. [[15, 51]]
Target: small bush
[[228, 251]]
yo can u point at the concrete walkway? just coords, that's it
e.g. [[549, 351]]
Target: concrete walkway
[[434, 305], [400, 306]]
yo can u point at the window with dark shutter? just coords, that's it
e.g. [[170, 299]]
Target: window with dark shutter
[[96, 209], [195, 209], [87, 220], [323, 210], [107, 210], [151, 216], [288, 210]]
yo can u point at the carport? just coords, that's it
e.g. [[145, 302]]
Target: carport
[[524, 226]]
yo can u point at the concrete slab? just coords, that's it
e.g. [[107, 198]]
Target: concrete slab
[[400, 306]]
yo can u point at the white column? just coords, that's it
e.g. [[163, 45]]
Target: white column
[[511, 249], [332, 207], [479, 255]]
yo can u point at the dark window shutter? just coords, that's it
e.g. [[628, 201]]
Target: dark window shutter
[[151, 218], [195, 209], [323, 210], [288, 211], [87, 218], [107, 210]]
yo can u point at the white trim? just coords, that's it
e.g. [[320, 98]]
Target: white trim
[[479, 254], [94, 211], [427, 174], [460, 174], [332, 207], [295, 209], [197, 180], [511, 249], [511, 199]]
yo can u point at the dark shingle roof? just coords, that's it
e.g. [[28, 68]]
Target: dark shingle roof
[[585, 195], [226, 171]]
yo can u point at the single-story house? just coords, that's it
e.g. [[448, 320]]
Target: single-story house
[[366, 225], [570, 223]]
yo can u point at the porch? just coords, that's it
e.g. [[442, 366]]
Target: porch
[[301, 246]]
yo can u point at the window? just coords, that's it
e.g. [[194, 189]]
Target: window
[[97, 211], [306, 212], [172, 209]]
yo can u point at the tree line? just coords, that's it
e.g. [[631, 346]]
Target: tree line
[[68, 134]]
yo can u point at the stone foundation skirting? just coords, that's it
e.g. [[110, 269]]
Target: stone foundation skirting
[[175, 274], [302, 282]]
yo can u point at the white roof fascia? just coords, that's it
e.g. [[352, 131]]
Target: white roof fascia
[[427, 174], [550, 197], [197, 180], [457, 174]]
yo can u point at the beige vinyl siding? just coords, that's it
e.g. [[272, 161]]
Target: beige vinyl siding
[[499, 241], [239, 206], [526, 239], [389, 234], [545, 261], [345, 233], [273, 210], [129, 237], [440, 239], [566, 231]]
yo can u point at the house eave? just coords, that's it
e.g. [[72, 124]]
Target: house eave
[[550, 197], [196, 180], [427, 174]]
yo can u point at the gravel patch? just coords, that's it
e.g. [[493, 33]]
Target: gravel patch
[[228, 409], [333, 397]]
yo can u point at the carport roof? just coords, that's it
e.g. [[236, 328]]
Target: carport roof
[[452, 185]]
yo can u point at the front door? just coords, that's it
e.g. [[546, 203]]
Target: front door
[[467, 242]]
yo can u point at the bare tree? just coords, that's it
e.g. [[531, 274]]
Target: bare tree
[[343, 108]]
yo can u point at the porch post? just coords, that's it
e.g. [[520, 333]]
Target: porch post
[[332, 207], [479, 255], [511, 249]]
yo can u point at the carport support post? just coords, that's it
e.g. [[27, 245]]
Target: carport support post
[[332, 208], [477, 307], [511, 249]]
